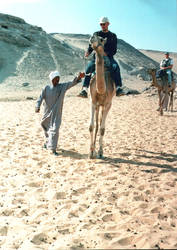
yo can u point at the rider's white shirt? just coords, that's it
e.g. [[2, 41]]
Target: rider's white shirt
[[171, 61]]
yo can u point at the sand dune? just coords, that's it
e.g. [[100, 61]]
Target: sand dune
[[126, 200]]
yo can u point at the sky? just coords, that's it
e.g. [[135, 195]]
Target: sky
[[144, 24]]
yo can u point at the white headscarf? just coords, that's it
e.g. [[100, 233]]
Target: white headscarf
[[53, 74]]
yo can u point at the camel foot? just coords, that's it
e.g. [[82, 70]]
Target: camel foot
[[92, 155], [161, 112], [100, 154]]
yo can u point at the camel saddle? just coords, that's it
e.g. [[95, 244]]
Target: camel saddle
[[161, 74]]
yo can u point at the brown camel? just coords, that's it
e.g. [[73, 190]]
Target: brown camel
[[163, 90], [102, 90]]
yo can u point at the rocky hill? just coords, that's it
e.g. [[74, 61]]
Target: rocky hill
[[28, 54]]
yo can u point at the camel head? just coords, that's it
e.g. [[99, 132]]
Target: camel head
[[97, 41], [151, 72]]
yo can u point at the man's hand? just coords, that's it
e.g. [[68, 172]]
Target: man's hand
[[37, 109], [80, 76], [163, 68], [86, 54]]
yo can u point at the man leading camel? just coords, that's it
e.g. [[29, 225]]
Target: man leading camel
[[53, 97], [110, 49]]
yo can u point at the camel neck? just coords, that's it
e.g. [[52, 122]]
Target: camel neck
[[154, 79], [100, 81]]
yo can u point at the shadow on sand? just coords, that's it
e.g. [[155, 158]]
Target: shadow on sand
[[72, 154], [165, 167]]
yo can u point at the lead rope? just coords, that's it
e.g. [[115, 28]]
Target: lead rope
[[84, 68]]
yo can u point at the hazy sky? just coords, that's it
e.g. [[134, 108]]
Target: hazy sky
[[145, 24]]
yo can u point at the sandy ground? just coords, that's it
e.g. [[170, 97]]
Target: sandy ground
[[127, 200]]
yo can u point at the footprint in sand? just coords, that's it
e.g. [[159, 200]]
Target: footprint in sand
[[156, 210], [124, 241], [143, 205], [107, 217], [170, 184], [39, 239], [35, 184], [60, 195], [73, 213], [47, 175], [139, 198], [23, 212], [78, 191], [141, 187], [3, 230], [7, 212]]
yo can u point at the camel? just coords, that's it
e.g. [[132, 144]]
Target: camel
[[163, 90], [102, 90]]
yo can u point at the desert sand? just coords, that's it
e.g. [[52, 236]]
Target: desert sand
[[127, 200]]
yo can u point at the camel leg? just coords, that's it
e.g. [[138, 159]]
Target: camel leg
[[102, 129], [159, 95], [165, 96], [171, 101], [166, 101], [91, 129], [160, 102], [161, 105], [96, 129]]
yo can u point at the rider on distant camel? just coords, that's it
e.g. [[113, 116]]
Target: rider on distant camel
[[110, 49], [167, 65]]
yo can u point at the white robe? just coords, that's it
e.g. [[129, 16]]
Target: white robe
[[53, 105]]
